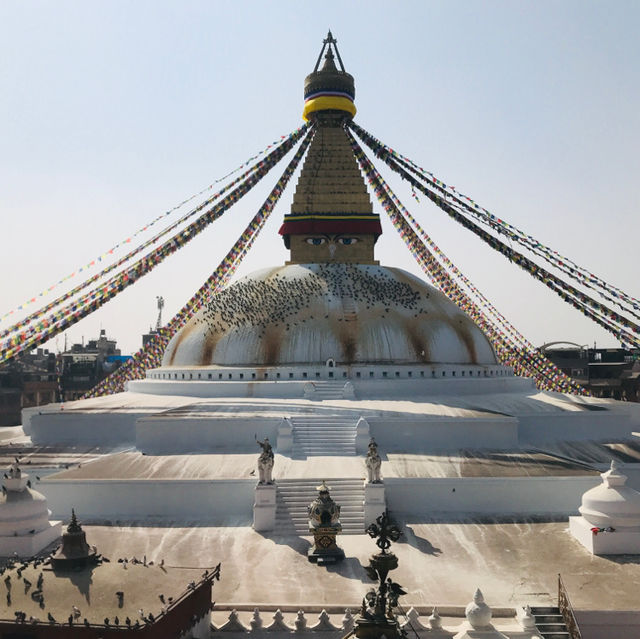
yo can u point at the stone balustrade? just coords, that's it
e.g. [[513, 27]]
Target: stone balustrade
[[506, 623]]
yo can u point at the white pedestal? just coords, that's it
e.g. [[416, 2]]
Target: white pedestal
[[264, 508], [620, 542], [374, 502]]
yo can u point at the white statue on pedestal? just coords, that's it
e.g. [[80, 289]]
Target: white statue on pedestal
[[373, 463], [265, 462]]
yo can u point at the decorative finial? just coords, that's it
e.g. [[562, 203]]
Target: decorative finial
[[613, 477], [477, 612], [330, 88], [323, 488], [74, 526], [527, 620], [435, 621]]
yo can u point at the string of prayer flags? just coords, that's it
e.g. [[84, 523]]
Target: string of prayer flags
[[45, 329], [150, 356], [146, 227]]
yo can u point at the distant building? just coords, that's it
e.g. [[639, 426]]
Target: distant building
[[29, 380], [84, 366], [605, 372]]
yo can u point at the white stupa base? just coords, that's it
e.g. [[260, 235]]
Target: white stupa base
[[29, 545], [619, 542]]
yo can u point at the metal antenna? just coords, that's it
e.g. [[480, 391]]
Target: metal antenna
[[160, 302]]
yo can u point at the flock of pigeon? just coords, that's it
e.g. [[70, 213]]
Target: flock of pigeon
[[280, 300]]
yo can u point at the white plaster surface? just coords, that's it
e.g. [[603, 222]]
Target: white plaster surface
[[462, 464], [513, 563]]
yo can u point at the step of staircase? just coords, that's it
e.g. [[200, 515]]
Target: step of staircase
[[329, 389], [550, 622], [323, 435], [293, 496]]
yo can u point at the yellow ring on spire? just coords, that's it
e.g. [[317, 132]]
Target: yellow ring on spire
[[327, 102]]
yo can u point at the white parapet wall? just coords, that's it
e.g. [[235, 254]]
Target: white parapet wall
[[170, 435], [105, 428], [428, 433], [574, 426], [154, 500], [491, 496], [378, 381], [223, 501]]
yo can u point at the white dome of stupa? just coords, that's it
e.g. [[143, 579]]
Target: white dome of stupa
[[310, 313], [612, 504]]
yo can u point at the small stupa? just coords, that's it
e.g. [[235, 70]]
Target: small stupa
[[75, 552], [25, 528], [609, 522]]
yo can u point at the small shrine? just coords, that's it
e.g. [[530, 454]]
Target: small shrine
[[609, 522], [25, 528], [324, 523], [75, 552]]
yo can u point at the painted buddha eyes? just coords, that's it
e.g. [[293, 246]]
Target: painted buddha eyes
[[318, 241]]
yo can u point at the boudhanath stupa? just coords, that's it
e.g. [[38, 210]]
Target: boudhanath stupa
[[320, 356]]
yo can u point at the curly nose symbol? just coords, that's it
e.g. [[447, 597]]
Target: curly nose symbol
[[332, 249]]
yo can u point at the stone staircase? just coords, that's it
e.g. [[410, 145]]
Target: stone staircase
[[328, 389], [550, 623], [294, 495], [316, 435]]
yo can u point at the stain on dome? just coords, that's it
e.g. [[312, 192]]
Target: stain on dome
[[309, 313]]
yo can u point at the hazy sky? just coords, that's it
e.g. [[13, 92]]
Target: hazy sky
[[113, 112]]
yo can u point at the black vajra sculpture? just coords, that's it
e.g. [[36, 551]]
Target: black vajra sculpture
[[378, 605], [385, 530]]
